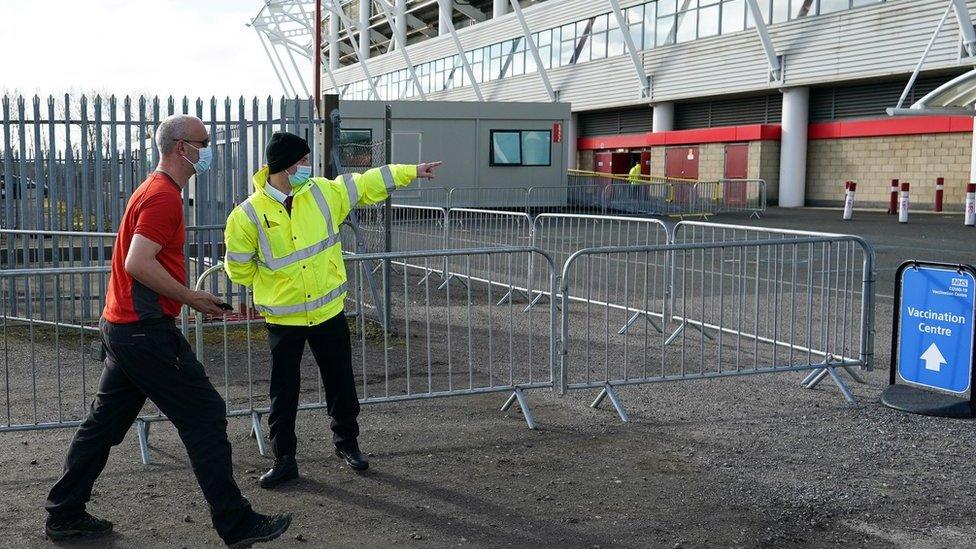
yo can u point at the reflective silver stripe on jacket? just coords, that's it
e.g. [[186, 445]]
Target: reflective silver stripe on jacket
[[281, 310], [241, 257], [275, 263], [323, 206], [388, 178], [351, 189]]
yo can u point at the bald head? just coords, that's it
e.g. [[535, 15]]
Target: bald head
[[176, 128]]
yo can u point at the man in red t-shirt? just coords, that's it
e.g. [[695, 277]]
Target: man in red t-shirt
[[148, 357]]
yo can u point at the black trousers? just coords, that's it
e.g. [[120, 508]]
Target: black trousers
[[332, 350], [152, 359]]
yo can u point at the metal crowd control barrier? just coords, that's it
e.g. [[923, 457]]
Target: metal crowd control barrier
[[443, 343], [734, 196], [418, 195], [746, 307], [49, 317], [561, 235], [686, 232], [678, 198], [412, 228], [474, 228], [486, 197]]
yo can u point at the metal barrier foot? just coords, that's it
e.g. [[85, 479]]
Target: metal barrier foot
[[634, 319], [841, 385], [142, 430], [448, 281], [532, 303], [815, 378], [676, 333], [818, 375], [854, 375], [258, 433], [681, 328], [806, 381], [609, 391], [518, 395], [510, 296], [427, 276], [507, 296]]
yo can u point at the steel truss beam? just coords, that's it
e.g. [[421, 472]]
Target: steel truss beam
[[775, 63], [332, 7], [645, 86], [543, 72], [402, 48]]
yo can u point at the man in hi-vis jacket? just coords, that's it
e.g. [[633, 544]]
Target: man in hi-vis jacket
[[283, 242]]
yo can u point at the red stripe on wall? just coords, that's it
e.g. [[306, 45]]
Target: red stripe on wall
[[915, 125], [727, 134], [919, 125]]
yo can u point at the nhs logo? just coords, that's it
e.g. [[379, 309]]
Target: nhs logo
[[960, 283]]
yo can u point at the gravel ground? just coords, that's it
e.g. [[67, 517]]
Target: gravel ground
[[741, 462]]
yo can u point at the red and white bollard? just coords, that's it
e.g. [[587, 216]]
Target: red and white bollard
[[971, 205], [939, 189], [849, 200], [893, 200], [903, 204]]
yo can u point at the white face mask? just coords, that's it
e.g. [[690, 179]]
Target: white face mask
[[206, 158]]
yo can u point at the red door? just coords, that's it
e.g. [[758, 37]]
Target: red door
[[681, 163], [645, 162], [736, 167], [603, 162]]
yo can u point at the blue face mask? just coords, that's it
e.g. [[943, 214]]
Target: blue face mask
[[301, 175], [206, 158]]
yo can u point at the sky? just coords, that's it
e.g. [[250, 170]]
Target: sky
[[197, 48]]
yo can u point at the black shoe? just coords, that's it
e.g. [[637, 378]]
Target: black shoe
[[265, 528], [84, 526], [354, 458], [285, 468]]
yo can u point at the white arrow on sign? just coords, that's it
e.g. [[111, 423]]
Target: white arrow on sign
[[933, 358]]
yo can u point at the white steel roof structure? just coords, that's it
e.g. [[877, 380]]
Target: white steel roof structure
[[957, 96], [286, 29]]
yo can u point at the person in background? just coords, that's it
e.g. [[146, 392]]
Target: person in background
[[148, 357], [634, 175], [283, 242]]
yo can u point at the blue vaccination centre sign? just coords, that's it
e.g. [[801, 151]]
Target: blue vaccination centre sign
[[936, 310]]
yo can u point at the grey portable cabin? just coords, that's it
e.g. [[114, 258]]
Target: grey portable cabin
[[487, 148]]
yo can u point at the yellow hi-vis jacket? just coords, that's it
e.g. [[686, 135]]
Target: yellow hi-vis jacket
[[294, 263], [635, 175]]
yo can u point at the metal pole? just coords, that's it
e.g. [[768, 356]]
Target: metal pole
[[387, 221], [402, 47], [631, 48], [775, 69], [543, 74], [464, 60], [966, 31], [317, 58]]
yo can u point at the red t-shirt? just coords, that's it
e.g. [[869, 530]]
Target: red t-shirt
[[154, 211]]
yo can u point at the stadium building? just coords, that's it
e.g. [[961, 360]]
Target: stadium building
[[793, 92]]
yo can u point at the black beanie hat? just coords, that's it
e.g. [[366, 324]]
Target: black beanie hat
[[284, 150]]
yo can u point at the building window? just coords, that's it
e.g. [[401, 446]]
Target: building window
[[651, 24], [521, 148]]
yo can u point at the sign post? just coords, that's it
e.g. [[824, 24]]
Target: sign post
[[933, 340]]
